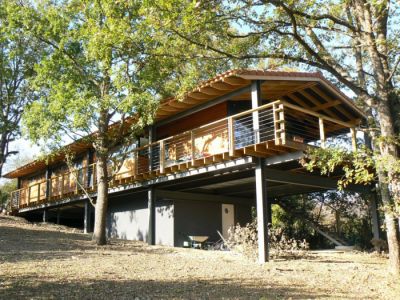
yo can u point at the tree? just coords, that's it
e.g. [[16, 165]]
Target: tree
[[18, 54], [356, 42], [100, 67]]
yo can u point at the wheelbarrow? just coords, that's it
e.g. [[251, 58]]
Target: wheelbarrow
[[197, 241]]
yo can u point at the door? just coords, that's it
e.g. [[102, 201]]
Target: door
[[228, 218]]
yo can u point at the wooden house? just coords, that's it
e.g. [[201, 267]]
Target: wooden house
[[231, 144]]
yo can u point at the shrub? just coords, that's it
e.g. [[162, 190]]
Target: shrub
[[244, 240]]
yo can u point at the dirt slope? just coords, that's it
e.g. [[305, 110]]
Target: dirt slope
[[53, 262]]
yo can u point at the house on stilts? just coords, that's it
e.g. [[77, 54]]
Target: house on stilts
[[231, 144]]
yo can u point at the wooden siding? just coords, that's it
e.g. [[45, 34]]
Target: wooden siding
[[193, 121]]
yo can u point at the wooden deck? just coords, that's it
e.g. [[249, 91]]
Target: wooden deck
[[282, 128]]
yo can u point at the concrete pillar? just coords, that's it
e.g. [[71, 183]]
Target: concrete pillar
[[45, 215], [373, 210], [87, 221], [151, 207]]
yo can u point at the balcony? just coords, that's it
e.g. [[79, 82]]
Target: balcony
[[272, 129]]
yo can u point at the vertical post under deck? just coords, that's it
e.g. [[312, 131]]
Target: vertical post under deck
[[261, 191], [87, 221], [58, 217], [322, 132], [45, 215], [151, 207], [262, 212]]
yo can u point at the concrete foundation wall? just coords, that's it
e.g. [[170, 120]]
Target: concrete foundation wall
[[164, 218], [128, 217]]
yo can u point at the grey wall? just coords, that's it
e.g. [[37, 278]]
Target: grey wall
[[164, 218], [203, 218], [128, 217], [242, 214], [196, 218]]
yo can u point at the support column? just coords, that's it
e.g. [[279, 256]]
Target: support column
[[58, 216], [45, 215], [262, 212], [261, 191], [373, 210], [151, 206], [87, 221]]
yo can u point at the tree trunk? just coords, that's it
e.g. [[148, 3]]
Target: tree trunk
[[99, 232], [387, 148]]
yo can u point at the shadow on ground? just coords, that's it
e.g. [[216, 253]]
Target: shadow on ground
[[131, 289]]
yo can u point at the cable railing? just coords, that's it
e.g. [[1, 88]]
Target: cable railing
[[279, 125]]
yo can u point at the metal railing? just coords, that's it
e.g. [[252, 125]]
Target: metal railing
[[278, 123]]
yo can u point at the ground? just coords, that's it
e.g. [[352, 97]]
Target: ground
[[43, 261]]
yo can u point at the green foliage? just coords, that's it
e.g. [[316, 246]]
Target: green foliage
[[18, 54], [5, 189], [358, 166]]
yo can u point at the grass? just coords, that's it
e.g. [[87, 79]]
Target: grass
[[43, 261]]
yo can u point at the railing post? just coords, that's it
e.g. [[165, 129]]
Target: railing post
[[193, 149], [322, 132], [162, 157], [62, 184], [353, 133], [231, 137], [256, 102], [282, 124], [276, 123], [38, 192], [29, 195]]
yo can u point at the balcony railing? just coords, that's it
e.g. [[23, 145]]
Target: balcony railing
[[265, 131]]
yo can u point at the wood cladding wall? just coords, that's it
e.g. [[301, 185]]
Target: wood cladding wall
[[208, 115]]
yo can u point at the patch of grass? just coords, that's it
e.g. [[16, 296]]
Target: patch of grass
[[53, 262]]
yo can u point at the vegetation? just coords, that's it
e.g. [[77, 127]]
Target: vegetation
[[18, 54], [355, 42]]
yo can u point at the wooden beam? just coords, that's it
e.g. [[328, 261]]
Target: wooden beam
[[326, 98], [210, 91], [199, 95], [235, 81], [222, 86]]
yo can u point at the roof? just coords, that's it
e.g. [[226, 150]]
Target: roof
[[295, 87]]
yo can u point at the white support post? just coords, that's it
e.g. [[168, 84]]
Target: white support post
[[262, 213], [322, 132], [261, 191]]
